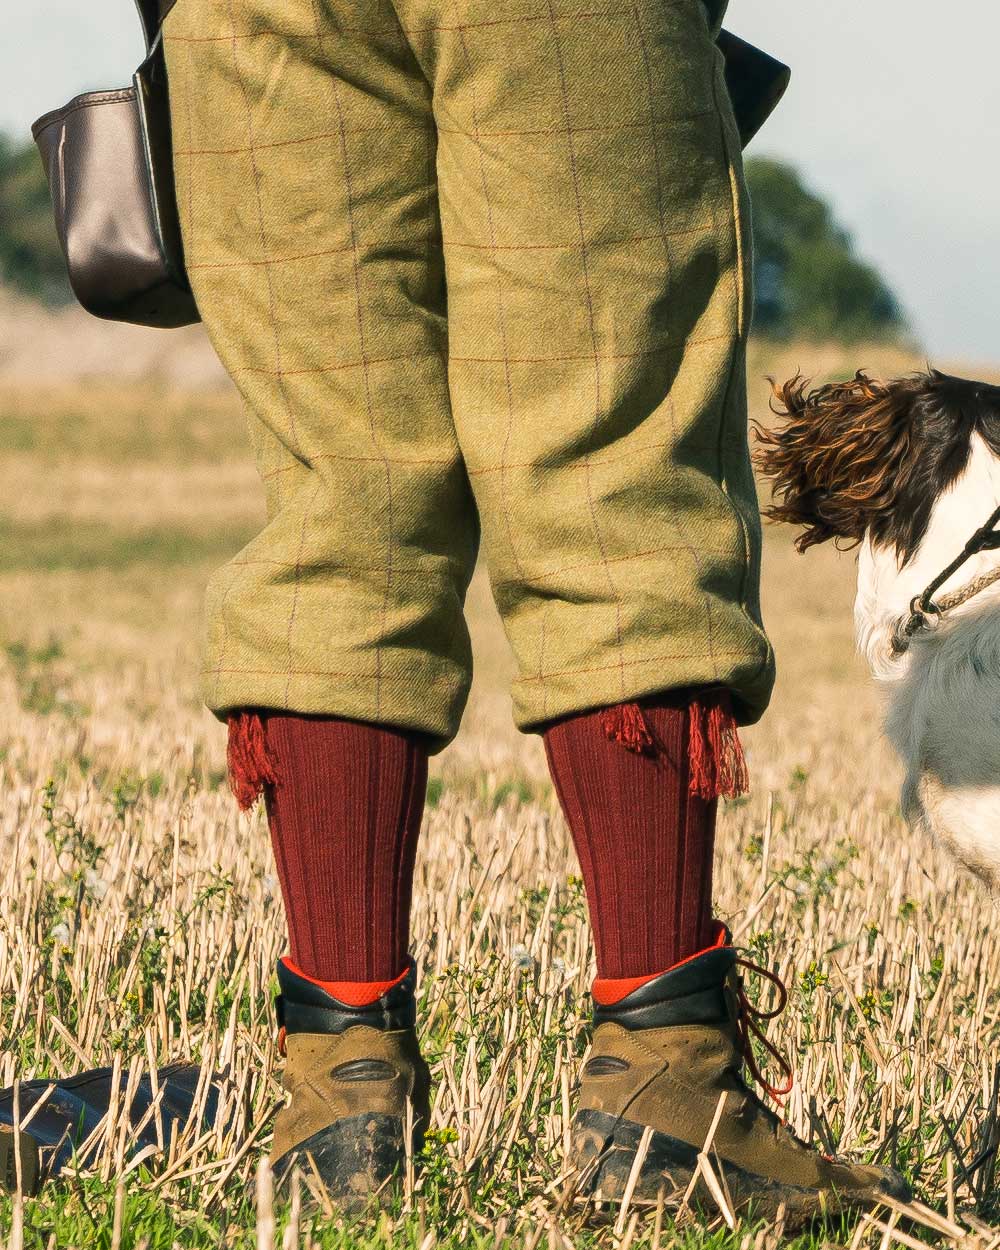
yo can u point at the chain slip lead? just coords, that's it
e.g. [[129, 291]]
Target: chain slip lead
[[923, 609]]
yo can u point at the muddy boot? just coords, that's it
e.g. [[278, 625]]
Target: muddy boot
[[662, 1058], [351, 1072]]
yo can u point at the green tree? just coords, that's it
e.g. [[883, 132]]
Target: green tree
[[30, 257], [809, 281]]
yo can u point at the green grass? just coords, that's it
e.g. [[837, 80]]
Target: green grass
[[47, 546], [115, 826], [82, 1214], [121, 423]]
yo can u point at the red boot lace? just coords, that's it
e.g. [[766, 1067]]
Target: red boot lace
[[749, 1025]]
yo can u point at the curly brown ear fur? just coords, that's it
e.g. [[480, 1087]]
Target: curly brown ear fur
[[838, 459], [866, 457]]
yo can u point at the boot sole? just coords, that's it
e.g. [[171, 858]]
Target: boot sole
[[604, 1149], [355, 1158], [12, 1148]]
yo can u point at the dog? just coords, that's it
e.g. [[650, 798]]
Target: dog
[[908, 471]]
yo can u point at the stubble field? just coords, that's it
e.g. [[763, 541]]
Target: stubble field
[[140, 918]]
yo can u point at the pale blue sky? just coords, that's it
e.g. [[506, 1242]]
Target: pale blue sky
[[894, 113]]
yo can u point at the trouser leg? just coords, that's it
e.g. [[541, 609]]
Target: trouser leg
[[305, 165], [597, 257]]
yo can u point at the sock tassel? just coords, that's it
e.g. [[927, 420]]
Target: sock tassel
[[718, 765], [625, 723], [251, 767]]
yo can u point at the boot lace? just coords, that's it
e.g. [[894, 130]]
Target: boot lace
[[750, 1021]]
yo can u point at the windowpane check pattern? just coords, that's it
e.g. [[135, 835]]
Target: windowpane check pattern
[[480, 273]]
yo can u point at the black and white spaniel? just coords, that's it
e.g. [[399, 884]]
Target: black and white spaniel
[[909, 470]]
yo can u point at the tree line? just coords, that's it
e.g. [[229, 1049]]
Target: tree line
[[809, 282]]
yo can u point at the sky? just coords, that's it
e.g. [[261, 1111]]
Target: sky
[[893, 114]]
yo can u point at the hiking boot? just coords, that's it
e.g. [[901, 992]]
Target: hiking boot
[[662, 1058], [351, 1072]]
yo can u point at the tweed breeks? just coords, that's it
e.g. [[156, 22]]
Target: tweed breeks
[[472, 266]]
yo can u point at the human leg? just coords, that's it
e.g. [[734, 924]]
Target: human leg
[[304, 157], [344, 814], [597, 253], [644, 841], [336, 644]]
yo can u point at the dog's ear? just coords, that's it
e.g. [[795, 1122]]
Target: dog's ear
[[838, 456]]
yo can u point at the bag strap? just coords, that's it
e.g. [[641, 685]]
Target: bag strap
[[152, 14]]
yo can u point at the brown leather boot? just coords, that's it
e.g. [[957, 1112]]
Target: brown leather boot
[[662, 1057], [351, 1072]]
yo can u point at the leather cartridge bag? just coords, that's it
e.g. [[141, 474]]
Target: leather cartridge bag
[[109, 162]]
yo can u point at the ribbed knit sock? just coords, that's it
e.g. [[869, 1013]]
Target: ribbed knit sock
[[344, 804], [645, 841]]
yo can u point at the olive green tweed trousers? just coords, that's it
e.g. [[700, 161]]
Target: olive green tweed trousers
[[474, 268]]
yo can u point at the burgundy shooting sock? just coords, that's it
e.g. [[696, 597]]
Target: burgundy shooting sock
[[344, 804], [638, 785]]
